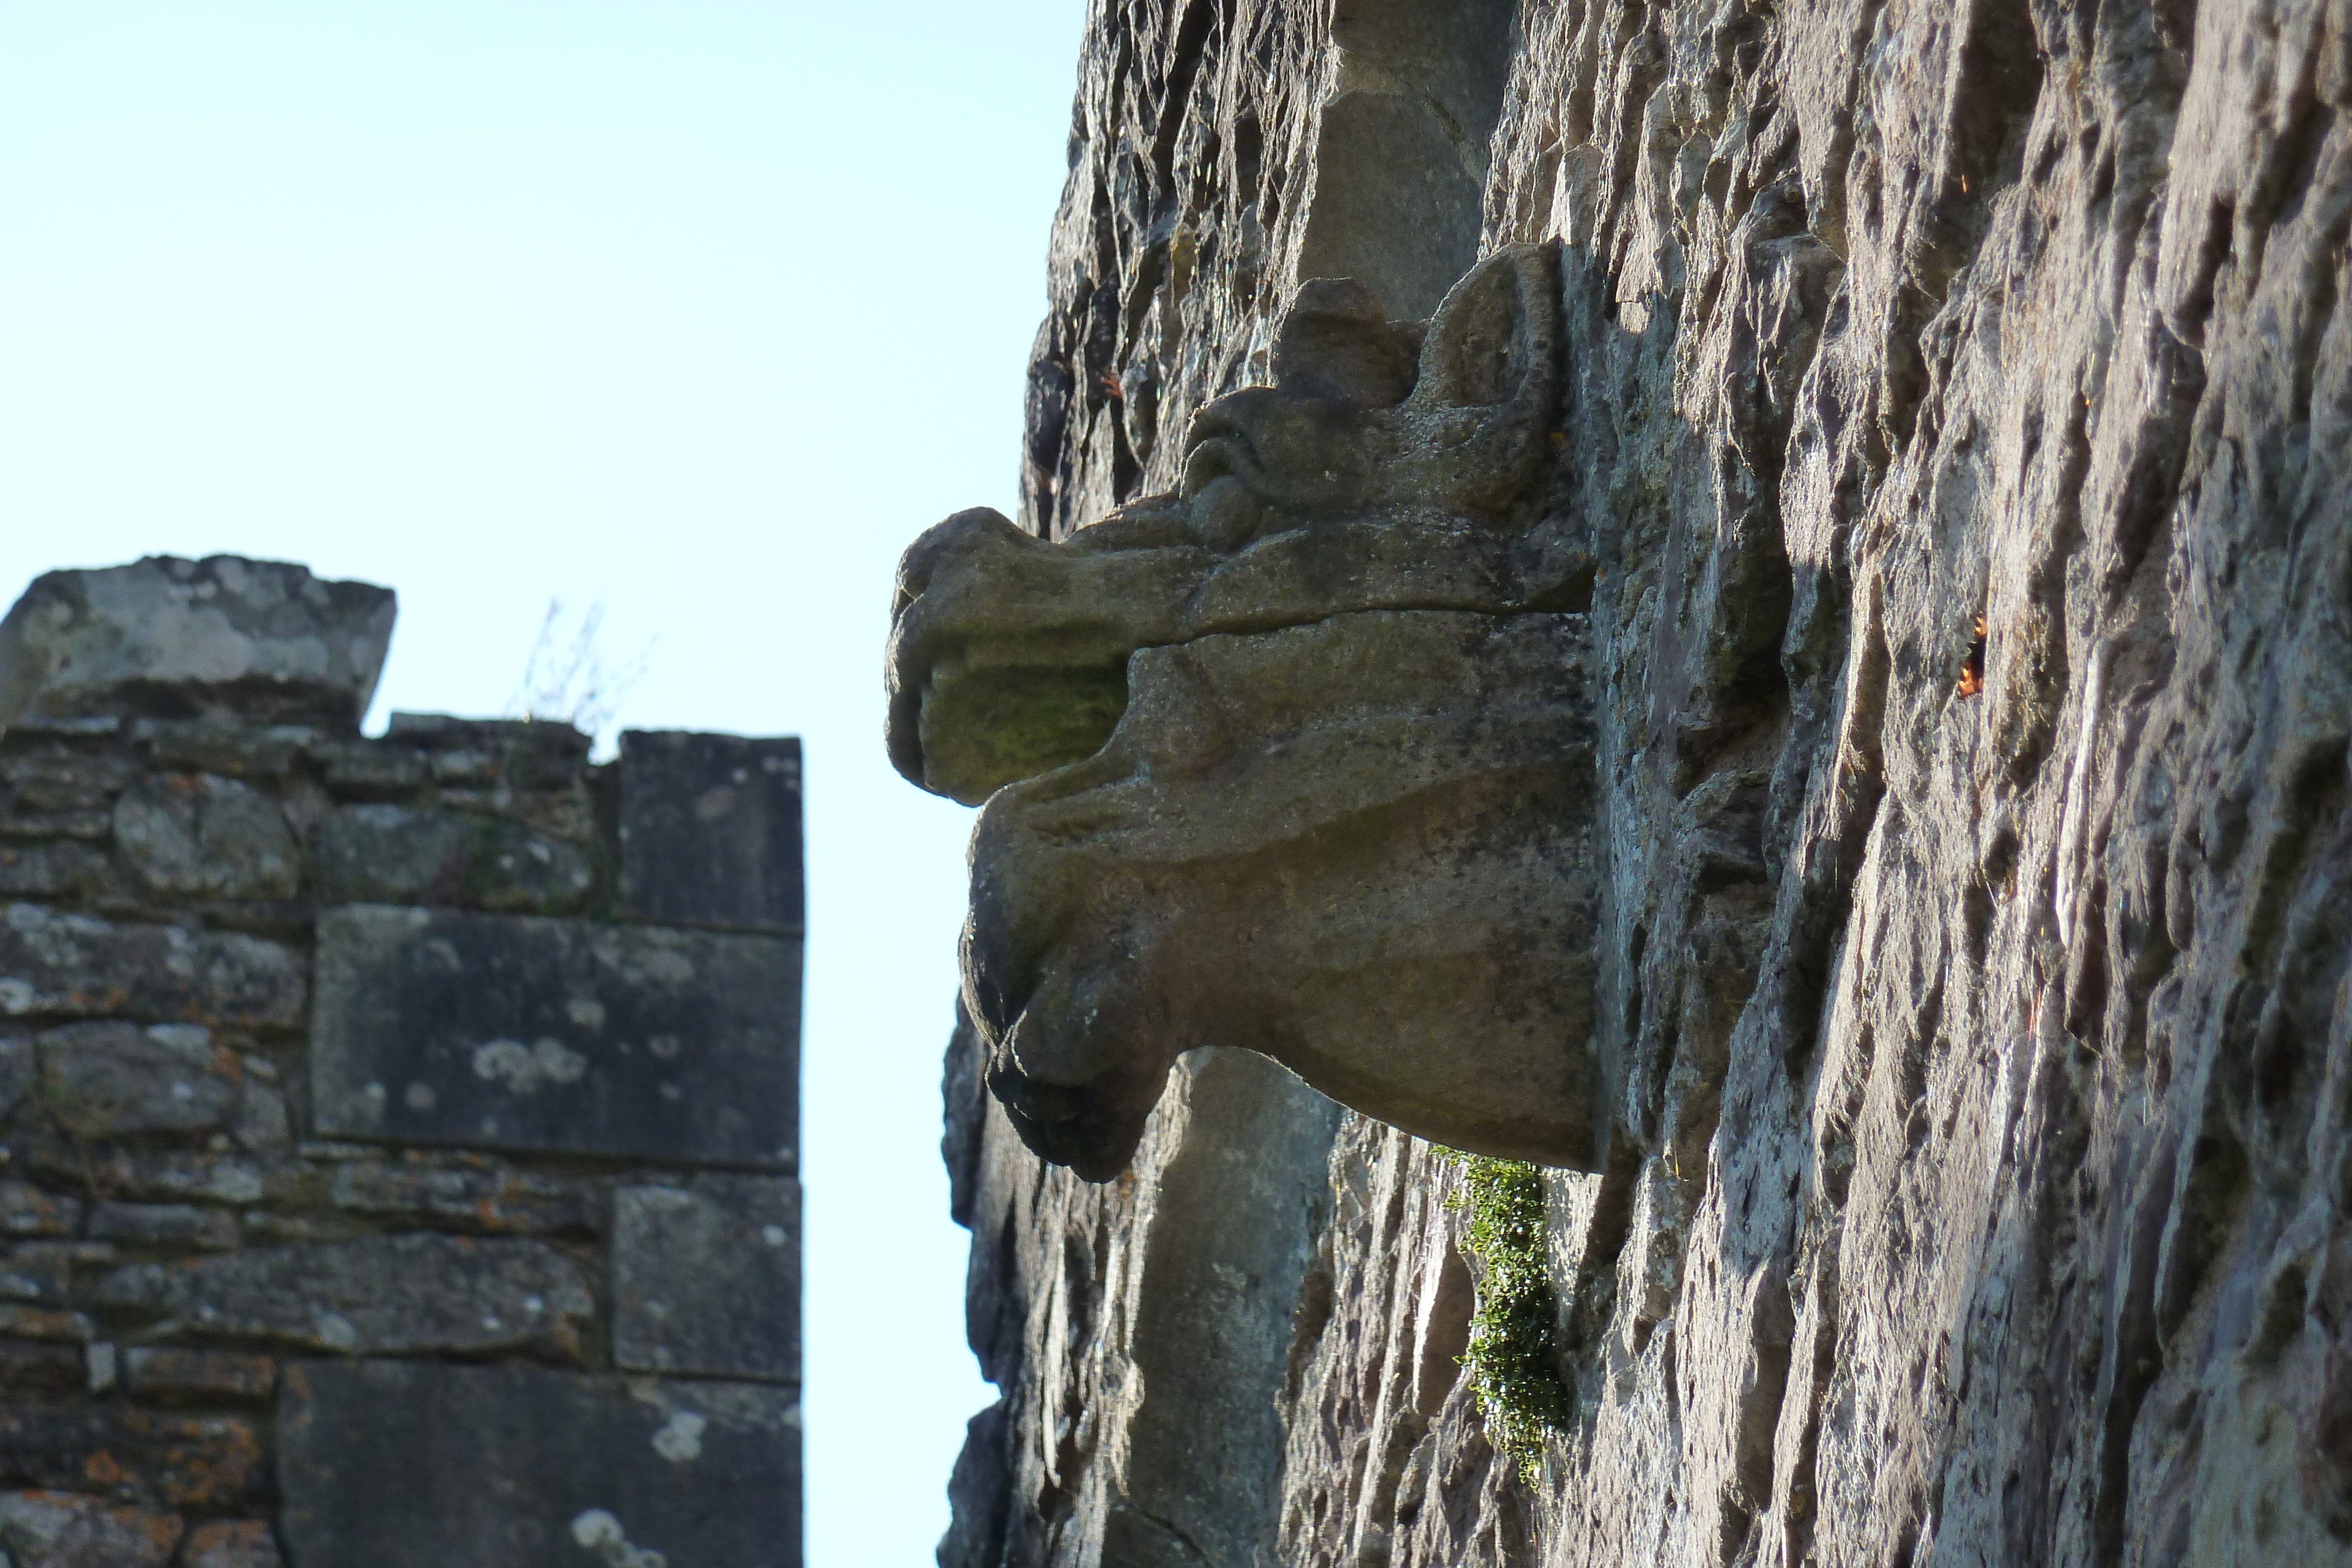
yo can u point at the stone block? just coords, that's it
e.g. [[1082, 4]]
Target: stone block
[[395, 854], [178, 638], [26, 1210], [518, 752], [59, 1530], [18, 1066], [23, 824], [391, 1465], [261, 1122], [371, 769], [66, 868], [233, 746], [175, 1225], [63, 779], [378, 1295], [198, 835], [74, 965], [231, 1543], [160, 1175], [499, 1201], [36, 1274], [169, 1375], [706, 1278], [39, 1369], [711, 830], [210, 1462], [112, 1080], [390, 854], [508, 1031], [44, 1323]]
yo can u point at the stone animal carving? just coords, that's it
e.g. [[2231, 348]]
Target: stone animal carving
[[1298, 759]]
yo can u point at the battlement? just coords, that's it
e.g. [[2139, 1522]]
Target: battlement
[[399, 1135]]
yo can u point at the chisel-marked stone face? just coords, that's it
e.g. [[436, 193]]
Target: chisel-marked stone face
[[1298, 759]]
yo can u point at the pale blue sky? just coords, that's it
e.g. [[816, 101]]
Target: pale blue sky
[[704, 308]]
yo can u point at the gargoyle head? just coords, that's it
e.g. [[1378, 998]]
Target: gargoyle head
[[1298, 759]]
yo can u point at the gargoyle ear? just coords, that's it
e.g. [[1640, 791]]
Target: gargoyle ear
[[1335, 341], [1494, 338], [1488, 393]]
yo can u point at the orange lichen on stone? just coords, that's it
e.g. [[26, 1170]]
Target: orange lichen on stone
[[1972, 670]]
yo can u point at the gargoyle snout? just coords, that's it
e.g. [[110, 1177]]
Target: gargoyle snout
[[1008, 654]]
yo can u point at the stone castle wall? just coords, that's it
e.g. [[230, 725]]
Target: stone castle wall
[[1958, 410], [398, 1137]]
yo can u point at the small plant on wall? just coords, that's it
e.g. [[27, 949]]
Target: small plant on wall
[[1514, 1367]]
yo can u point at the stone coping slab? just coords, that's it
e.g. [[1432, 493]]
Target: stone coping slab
[[174, 638]]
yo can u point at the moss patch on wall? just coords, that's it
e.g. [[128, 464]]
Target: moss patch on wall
[[1512, 1357]]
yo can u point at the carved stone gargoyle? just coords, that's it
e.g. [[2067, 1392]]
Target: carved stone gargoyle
[[1298, 759]]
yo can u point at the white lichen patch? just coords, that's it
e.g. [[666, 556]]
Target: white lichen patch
[[525, 1069], [601, 1533], [680, 1440]]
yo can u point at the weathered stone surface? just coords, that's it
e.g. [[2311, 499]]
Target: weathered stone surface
[[158, 1175], [58, 1530], [31, 1369], [486, 1198], [1183, 1342], [26, 1210], [394, 854], [168, 1375], [1400, 144], [231, 1543], [711, 830], [516, 753], [707, 1279], [372, 770], [49, 780], [39, 1273], [111, 1080], [1955, 407], [65, 870], [202, 836], [388, 1465], [1344, 819], [172, 1225], [377, 1296], [511, 1033], [19, 1067], [261, 1126], [210, 1462], [168, 636], [76, 966], [45, 1323], [226, 746]]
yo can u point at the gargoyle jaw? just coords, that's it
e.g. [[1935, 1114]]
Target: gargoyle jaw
[[1093, 1128], [1389, 890]]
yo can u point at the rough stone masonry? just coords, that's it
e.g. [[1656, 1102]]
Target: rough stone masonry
[[398, 1137], [1955, 403]]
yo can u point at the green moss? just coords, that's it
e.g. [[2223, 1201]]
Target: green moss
[[1513, 1361]]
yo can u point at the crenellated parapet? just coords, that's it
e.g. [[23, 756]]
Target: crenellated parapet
[[399, 1135]]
